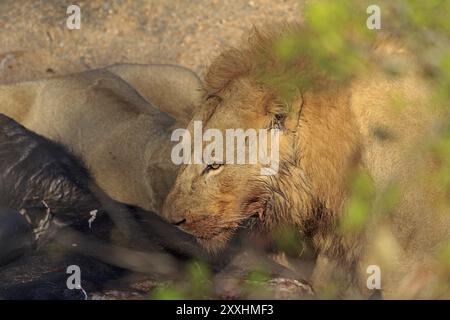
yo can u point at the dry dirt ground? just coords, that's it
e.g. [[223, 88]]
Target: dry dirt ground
[[35, 43]]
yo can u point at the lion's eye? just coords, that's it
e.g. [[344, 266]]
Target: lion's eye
[[215, 166], [212, 166]]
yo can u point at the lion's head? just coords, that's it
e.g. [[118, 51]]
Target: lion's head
[[317, 145]]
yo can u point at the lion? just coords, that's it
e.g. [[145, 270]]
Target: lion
[[329, 132], [117, 120]]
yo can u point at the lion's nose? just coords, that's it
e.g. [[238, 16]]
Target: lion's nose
[[179, 223], [172, 213]]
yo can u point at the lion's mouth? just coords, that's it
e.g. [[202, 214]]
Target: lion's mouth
[[217, 240], [214, 232], [210, 232]]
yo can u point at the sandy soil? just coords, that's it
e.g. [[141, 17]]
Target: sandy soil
[[35, 41]]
